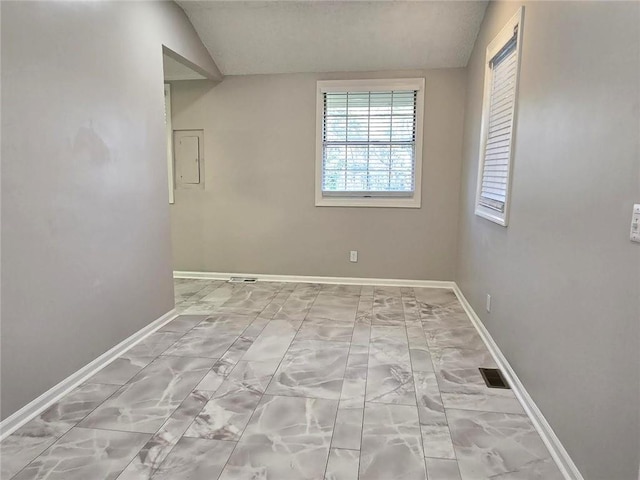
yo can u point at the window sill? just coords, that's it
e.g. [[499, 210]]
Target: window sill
[[379, 202], [491, 216]]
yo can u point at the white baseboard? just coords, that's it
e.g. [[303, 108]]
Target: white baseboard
[[552, 442], [558, 452], [37, 406], [381, 282]]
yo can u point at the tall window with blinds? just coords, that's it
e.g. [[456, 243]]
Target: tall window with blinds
[[498, 123], [370, 142]]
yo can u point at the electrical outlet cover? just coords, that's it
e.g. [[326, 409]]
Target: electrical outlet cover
[[635, 224]]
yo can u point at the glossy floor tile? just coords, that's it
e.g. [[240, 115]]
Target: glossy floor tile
[[311, 368], [29, 441], [284, 381], [391, 443], [151, 456], [84, 453], [195, 459], [499, 445], [342, 465], [149, 399], [287, 438]]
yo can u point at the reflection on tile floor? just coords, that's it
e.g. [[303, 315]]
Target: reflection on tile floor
[[290, 381]]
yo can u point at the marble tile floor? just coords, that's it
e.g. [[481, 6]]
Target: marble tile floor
[[284, 381]]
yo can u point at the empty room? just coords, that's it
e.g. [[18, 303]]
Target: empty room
[[320, 240]]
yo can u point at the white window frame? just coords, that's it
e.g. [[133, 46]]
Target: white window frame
[[378, 85], [501, 40]]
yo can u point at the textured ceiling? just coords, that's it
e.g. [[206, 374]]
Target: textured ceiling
[[331, 36]]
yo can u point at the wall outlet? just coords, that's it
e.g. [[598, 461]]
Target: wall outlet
[[353, 256], [488, 303], [635, 223]]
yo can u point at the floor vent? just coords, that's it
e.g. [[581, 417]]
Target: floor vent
[[493, 378], [242, 280]]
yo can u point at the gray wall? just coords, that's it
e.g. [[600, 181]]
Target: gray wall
[[257, 213], [564, 278], [86, 255]]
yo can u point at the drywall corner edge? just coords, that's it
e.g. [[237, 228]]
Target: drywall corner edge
[[216, 75]]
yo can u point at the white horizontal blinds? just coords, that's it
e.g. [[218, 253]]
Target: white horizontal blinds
[[368, 143], [495, 171]]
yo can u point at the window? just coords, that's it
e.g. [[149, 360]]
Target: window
[[369, 143], [498, 122]]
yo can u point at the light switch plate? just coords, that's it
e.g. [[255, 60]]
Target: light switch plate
[[635, 224]]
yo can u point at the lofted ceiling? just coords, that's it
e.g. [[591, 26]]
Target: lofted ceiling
[[253, 37], [174, 70]]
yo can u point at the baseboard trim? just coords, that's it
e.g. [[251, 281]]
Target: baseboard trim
[[552, 442], [381, 282], [550, 439], [48, 398]]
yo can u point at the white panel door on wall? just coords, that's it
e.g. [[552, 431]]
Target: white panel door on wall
[[188, 157], [188, 160]]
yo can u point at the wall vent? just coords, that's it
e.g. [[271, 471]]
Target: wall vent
[[242, 280], [493, 378]]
